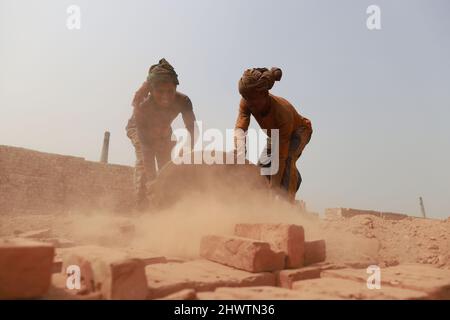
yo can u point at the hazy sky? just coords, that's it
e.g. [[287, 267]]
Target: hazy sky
[[379, 101]]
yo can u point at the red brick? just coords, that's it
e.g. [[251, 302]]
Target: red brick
[[288, 238], [241, 253], [87, 283], [59, 291], [285, 278], [126, 281], [25, 268], [315, 251], [108, 271]]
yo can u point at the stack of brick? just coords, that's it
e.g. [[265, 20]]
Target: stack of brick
[[112, 274], [263, 247]]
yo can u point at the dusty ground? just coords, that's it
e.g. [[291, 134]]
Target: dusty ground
[[352, 245], [389, 242], [357, 239]]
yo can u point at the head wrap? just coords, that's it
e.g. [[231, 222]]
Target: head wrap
[[162, 72], [258, 79]]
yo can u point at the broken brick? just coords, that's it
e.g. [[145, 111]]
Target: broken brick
[[285, 278], [241, 253], [288, 238], [126, 280], [108, 271]]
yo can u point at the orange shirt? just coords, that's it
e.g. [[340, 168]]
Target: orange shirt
[[282, 116]]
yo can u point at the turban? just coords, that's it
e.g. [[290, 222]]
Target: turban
[[162, 72], [258, 79]]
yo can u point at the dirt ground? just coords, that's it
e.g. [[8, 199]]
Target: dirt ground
[[389, 242], [360, 239]]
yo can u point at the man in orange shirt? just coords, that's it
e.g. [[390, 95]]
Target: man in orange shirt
[[272, 112]]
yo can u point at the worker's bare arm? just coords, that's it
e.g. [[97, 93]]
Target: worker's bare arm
[[305, 133], [190, 121], [141, 94]]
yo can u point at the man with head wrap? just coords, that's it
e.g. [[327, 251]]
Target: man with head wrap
[[155, 105], [272, 112]]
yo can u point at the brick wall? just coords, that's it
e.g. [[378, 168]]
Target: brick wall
[[42, 183], [349, 212]]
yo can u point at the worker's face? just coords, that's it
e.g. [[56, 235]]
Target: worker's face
[[163, 93], [258, 101]]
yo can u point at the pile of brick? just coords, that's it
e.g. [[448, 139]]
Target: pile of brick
[[33, 269], [259, 261], [263, 247]]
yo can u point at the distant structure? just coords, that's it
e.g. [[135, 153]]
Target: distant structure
[[333, 213], [105, 148], [45, 183], [422, 207]]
